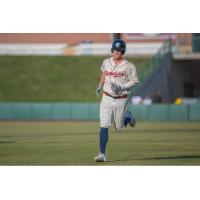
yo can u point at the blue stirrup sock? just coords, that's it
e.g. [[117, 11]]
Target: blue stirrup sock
[[127, 120], [103, 139]]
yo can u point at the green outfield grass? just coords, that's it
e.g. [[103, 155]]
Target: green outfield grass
[[76, 143], [52, 78]]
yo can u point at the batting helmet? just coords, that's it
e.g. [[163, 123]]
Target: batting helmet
[[119, 45]]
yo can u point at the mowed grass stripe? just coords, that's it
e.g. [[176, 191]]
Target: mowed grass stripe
[[76, 143]]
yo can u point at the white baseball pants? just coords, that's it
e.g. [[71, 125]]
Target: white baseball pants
[[112, 110]]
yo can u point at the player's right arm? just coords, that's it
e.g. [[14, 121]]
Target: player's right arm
[[101, 83], [102, 79]]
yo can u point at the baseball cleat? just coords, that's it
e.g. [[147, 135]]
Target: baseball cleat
[[132, 119], [100, 158], [132, 122]]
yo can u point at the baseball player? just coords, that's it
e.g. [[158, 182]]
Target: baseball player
[[118, 76]]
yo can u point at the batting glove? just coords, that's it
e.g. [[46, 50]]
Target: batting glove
[[98, 90], [116, 88]]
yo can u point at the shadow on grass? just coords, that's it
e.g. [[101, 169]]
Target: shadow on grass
[[6, 142], [166, 130], [160, 158], [47, 135]]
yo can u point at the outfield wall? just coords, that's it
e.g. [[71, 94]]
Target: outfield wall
[[90, 111]]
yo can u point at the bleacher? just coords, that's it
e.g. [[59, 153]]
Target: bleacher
[[32, 49], [133, 49]]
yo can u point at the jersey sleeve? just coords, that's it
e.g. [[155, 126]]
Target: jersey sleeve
[[132, 73], [103, 66]]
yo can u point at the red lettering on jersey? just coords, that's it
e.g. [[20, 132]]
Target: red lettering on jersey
[[114, 74]]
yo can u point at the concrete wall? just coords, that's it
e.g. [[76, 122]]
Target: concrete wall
[[76, 38], [76, 43], [67, 38]]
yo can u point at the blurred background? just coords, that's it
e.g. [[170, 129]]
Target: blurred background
[[53, 76]]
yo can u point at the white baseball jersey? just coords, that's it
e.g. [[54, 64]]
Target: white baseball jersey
[[118, 74], [111, 108]]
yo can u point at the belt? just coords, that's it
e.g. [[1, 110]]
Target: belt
[[116, 97]]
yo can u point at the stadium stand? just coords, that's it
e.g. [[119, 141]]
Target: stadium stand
[[81, 49], [32, 49], [172, 72]]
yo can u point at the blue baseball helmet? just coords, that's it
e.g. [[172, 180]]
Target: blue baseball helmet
[[119, 45]]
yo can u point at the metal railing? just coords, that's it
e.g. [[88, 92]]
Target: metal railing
[[195, 44], [152, 64]]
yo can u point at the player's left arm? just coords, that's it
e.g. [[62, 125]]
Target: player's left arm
[[128, 85], [118, 88], [132, 79]]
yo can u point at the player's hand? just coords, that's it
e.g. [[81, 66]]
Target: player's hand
[[98, 90], [116, 88]]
